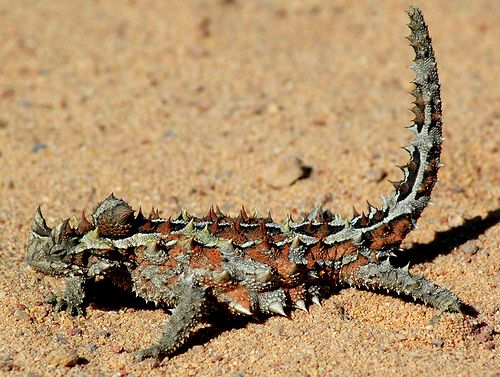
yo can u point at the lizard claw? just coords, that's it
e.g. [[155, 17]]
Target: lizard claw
[[153, 352], [63, 304]]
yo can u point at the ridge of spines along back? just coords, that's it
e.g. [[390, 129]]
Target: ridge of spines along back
[[412, 193]]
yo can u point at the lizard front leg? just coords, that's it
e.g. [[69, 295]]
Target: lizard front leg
[[185, 316], [72, 297]]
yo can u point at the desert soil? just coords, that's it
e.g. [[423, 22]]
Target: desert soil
[[196, 103]]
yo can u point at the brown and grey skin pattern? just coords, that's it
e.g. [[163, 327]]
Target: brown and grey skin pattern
[[249, 265]]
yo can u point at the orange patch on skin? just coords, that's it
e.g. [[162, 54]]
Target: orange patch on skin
[[436, 116], [419, 101], [335, 252], [205, 258], [177, 250], [278, 261], [321, 231], [172, 281], [164, 228], [231, 233], [419, 116], [297, 293], [430, 179], [386, 236], [353, 267], [286, 268], [213, 256], [240, 295], [147, 227], [316, 253], [254, 254]]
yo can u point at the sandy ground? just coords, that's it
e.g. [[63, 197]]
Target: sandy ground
[[186, 104]]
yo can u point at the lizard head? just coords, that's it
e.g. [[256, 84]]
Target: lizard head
[[51, 250], [66, 250]]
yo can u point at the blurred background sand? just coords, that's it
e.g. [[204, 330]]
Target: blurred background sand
[[195, 103]]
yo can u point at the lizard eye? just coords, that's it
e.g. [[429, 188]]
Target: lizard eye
[[57, 251]]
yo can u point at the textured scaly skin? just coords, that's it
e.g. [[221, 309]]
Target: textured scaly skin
[[249, 264]]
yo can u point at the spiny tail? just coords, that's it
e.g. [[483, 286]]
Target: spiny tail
[[412, 193], [386, 228]]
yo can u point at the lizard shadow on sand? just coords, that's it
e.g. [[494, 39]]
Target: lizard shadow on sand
[[446, 241], [443, 243]]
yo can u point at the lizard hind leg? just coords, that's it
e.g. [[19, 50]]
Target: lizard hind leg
[[186, 315], [399, 280]]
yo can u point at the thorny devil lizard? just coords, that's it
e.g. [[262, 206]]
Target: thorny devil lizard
[[249, 264]]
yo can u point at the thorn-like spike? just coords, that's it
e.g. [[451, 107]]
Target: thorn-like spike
[[221, 276], [84, 225], [384, 200], [185, 215], [236, 306], [152, 214], [286, 225], [226, 246], [300, 304], [166, 227], [295, 242], [73, 222], [151, 247], [292, 269], [319, 214], [395, 184], [355, 213], [192, 244], [256, 214], [364, 220], [218, 212], [67, 227], [243, 215], [315, 300], [277, 307], [409, 148], [214, 227], [412, 166], [263, 275], [371, 207], [404, 187], [189, 226], [378, 215], [211, 214], [58, 233], [140, 216], [39, 226]]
